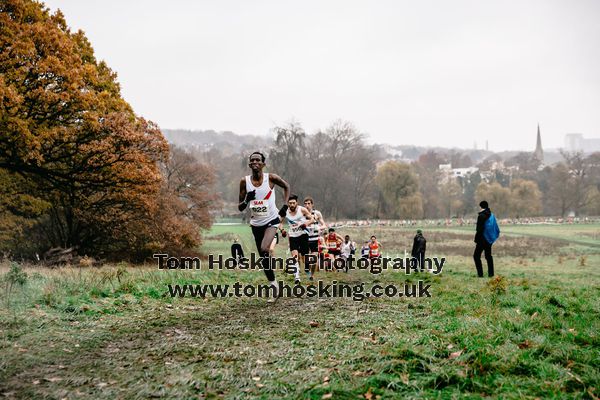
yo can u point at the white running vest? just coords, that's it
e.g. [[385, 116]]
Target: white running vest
[[346, 248], [313, 231], [295, 221], [263, 207]]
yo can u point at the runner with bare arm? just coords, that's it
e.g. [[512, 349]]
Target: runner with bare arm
[[257, 191], [298, 219], [313, 235]]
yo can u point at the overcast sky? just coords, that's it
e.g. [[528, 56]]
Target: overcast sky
[[433, 73]]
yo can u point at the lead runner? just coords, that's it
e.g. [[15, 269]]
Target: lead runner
[[258, 191]]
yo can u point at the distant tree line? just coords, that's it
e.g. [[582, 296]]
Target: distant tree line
[[349, 178]]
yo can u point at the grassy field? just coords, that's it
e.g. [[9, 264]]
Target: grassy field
[[113, 332]]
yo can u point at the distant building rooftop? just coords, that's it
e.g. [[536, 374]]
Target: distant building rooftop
[[576, 142]]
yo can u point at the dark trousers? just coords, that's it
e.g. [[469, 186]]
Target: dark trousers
[[487, 248], [263, 239], [420, 256]]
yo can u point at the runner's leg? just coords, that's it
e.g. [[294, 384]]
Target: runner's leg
[[263, 236]]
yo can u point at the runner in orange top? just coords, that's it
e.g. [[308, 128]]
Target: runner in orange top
[[333, 244], [374, 248]]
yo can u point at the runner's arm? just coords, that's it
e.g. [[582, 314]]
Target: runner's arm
[[322, 224], [242, 204], [277, 180], [308, 215]]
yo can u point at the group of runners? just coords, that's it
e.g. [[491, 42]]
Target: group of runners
[[302, 225]]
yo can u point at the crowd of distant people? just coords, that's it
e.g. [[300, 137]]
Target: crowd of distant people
[[463, 222]]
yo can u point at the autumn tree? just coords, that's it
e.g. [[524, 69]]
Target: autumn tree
[[582, 179], [592, 206], [573, 184], [69, 139], [459, 159], [525, 161], [20, 211], [429, 176], [525, 198], [489, 162], [288, 152], [559, 194], [399, 189], [353, 166], [469, 186], [451, 198], [497, 196], [334, 166], [184, 205]]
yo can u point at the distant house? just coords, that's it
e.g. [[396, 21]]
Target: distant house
[[576, 142], [462, 172], [453, 173]]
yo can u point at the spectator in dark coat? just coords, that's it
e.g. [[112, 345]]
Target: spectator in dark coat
[[419, 247], [482, 245]]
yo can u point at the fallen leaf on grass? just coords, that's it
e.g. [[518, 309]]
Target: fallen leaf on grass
[[404, 378], [575, 377], [260, 385], [326, 379], [456, 354], [535, 314], [314, 324], [363, 373], [36, 382], [327, 396], [256, 378], [373, 337], [525, 344], [368, 395], [53, 379]]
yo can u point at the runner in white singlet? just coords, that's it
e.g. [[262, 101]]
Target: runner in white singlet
[[298, 219], [257, 191]]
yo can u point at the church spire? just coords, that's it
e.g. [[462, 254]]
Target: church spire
[[539, 153]]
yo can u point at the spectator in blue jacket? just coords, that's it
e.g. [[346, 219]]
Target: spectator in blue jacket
[[482, 245]]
